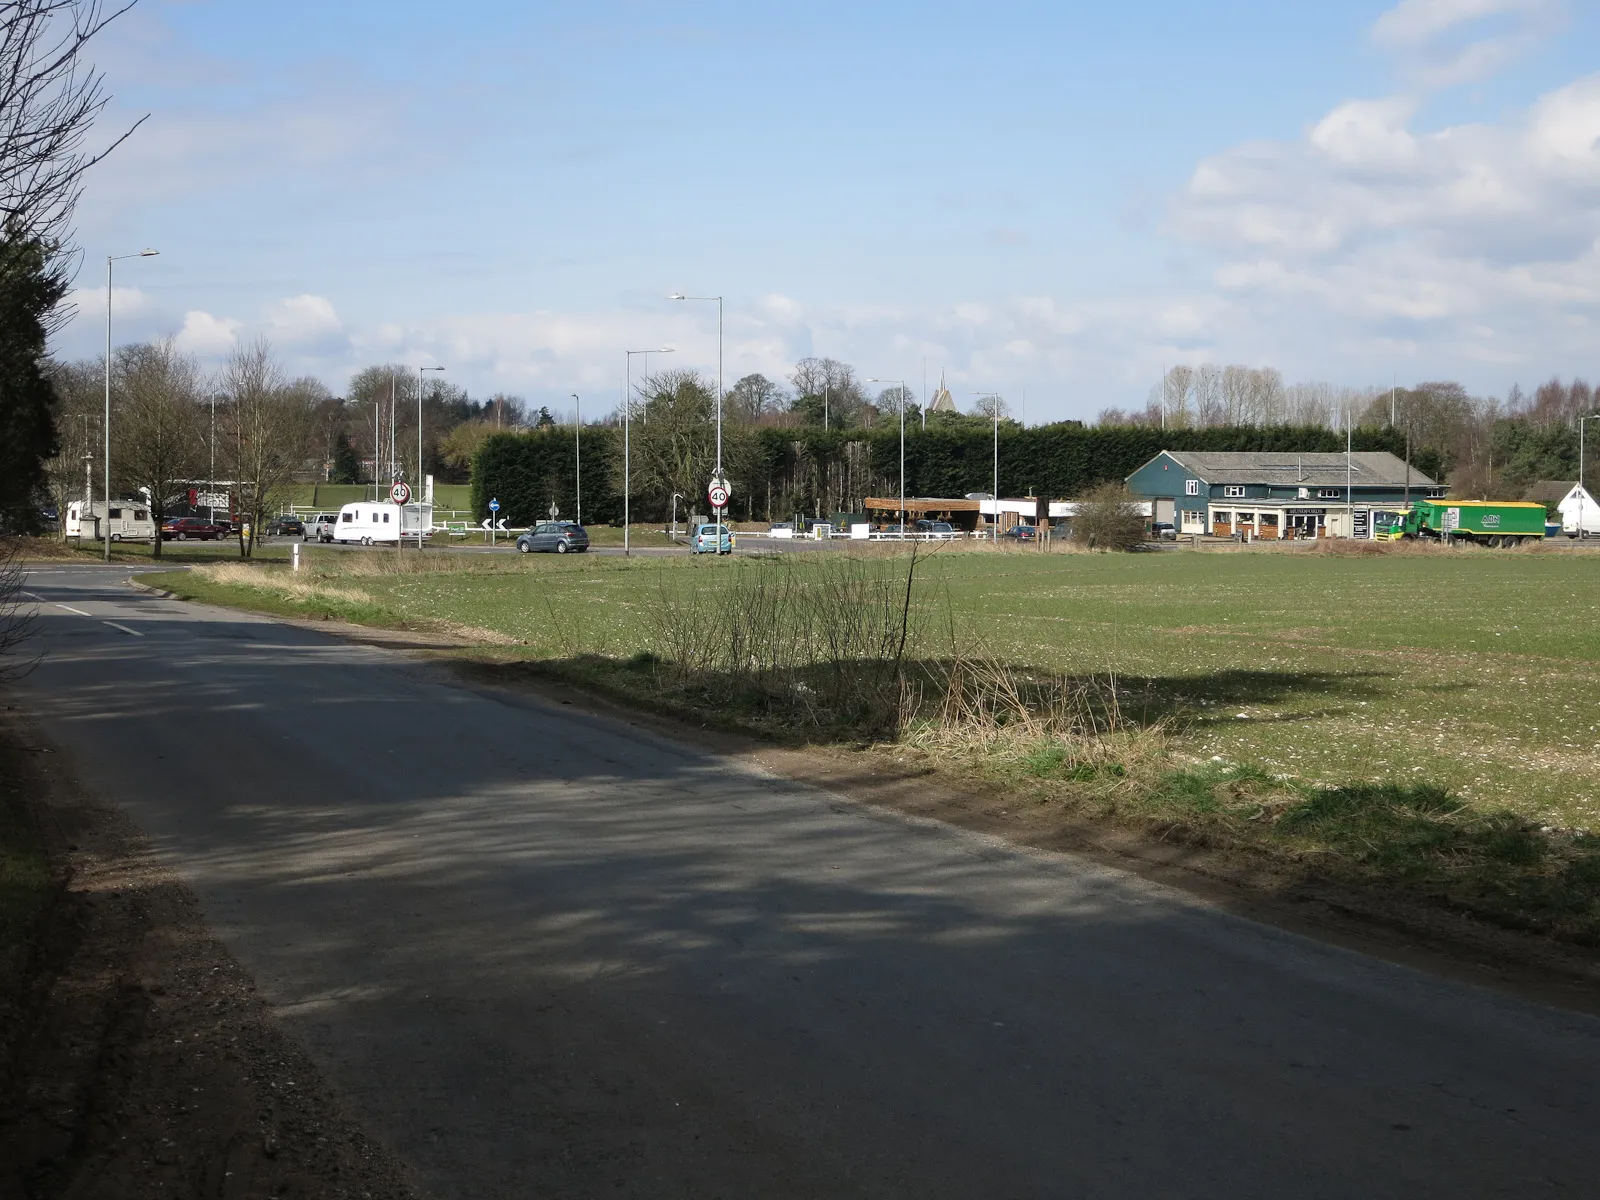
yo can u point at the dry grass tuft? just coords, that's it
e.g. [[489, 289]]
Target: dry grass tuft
[[303, 586]]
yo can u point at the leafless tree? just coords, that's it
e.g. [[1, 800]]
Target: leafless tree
[[49, 100], [986, 406], [1175, 396], [1210, 407], [752, 398], [264, 431], [160, 435], [79, 397]]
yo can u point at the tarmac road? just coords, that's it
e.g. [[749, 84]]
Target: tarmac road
[[547, 954]]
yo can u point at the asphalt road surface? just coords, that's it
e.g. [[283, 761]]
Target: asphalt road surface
[[546, 954]]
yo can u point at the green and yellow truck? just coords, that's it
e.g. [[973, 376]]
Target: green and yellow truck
[[1486, 522]]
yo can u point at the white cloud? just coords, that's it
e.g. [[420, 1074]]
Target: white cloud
[[306, 323], [207, 336], [1435, 37], [1478, 240]]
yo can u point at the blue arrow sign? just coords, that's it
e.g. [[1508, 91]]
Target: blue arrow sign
[[494, 506]]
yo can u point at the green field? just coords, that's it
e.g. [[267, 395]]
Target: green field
[[331, 495], [1470, 670]]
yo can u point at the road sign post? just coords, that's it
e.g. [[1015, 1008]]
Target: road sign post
[[494, 507], [718, 492]]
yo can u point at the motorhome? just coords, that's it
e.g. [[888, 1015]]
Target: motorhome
[[129, 521], [372, 523]]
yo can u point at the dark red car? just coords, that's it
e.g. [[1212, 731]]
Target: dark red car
[[184, 528]]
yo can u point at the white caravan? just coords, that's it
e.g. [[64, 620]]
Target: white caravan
[[129, 521], [372, 522]]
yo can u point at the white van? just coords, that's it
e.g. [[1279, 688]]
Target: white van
[[130, 521], [372, 523]]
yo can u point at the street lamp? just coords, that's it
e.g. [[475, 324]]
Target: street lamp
[[112, 258], [718, 299], [902, 407], [1581, 420], [994, 403], [577, 455], [627, 425], [418, 497]]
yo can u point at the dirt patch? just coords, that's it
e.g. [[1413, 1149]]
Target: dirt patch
[[139, 1061]]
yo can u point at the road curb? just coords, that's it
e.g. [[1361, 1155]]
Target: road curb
[[132, 582]]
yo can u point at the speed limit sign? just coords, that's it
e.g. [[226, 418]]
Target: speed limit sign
[[717, 494], [400, 493]]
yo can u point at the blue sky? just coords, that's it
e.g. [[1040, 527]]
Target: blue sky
[[1057, 198]]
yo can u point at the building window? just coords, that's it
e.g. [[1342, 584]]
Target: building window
[[1191, 487], [1328, 493], [1233, 489], [1194, 518]]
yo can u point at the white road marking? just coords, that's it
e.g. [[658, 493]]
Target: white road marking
[[124, 628], [70, 609]]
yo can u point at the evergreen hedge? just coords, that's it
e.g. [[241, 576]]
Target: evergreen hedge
[[1062, 461]]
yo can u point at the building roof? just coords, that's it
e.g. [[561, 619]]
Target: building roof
[[1367, 468], [1551, 491]]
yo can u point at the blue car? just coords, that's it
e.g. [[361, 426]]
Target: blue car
[[711, 539]]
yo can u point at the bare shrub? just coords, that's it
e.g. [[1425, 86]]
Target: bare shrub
[[17, 619], [821, 642], [1109, 518]]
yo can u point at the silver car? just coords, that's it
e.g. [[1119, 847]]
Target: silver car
[[560, 537], [320, 527]]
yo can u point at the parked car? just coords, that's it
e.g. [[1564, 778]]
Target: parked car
[[1022, 533], [937, 529], [183, 528], [560, 537], [286, 527], [782, 529], [320, 527], [895, 530], [711, 539], [1164, 531]]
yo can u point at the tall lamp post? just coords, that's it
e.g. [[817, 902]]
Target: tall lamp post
[[113, 258], [577, 455], [718, 299], [1581, 493], [902, 407], [627, 449], [420, 370], [994, 403]]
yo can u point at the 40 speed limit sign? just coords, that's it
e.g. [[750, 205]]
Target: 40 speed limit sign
[[718, 493], [400, 493]]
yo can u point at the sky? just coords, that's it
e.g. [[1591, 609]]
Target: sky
[[1050, 200]]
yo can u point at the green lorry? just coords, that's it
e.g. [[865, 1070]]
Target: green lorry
[[1486, 522]]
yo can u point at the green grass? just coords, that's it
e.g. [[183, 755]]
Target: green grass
[[332, 495]]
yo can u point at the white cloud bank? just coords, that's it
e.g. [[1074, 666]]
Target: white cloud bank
[[1480, 241]]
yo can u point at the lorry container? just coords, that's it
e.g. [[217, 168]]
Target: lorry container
[[1486, 522]]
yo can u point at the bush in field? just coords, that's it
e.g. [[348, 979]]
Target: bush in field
[[1109, 518]]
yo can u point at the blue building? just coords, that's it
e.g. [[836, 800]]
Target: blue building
[[1268, 494]]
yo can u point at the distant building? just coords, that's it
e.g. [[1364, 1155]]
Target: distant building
[[942, 400], [1275, 495]]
